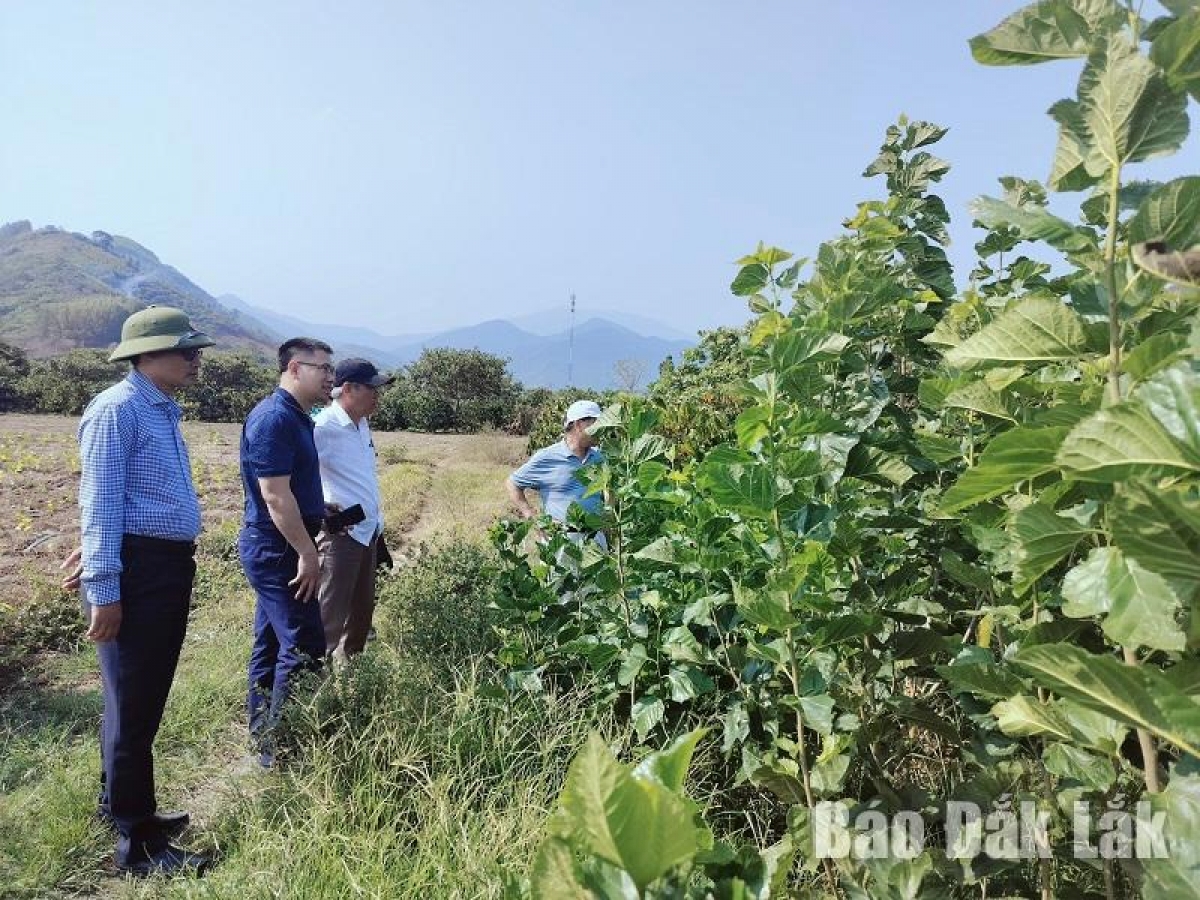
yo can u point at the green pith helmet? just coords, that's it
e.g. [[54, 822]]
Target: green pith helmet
[[158, 328]]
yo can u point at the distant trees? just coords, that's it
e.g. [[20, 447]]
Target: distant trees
[[628, 374], [698, 396], [14, 366], [447, 389], [87, 322], [229, 386], [64, 384]]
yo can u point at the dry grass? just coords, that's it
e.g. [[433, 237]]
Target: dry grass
[[444, 485]]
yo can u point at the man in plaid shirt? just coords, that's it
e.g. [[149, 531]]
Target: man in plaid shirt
[[140, 518]]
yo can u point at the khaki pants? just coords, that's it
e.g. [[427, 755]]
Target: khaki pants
[[347, 592]]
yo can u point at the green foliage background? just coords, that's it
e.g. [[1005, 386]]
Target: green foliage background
[[950, 548]]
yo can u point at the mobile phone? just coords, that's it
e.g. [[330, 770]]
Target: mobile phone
[[343, 519]]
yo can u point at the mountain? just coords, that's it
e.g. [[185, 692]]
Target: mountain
[[542, 360], [347, 340], [60, 290], [552, 321]]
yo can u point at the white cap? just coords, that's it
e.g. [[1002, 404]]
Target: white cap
[[581, 409]]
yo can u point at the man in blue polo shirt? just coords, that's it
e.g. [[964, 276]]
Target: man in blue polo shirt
[[552, 470], [285, 507]]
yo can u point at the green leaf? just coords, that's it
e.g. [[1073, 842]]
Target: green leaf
[[1171, 215], [1154, 354], [681, 646], [878, 466], [736, 727], [1034, 223], [632, 664], [785, 786], [1038, 329], [1173, 398], [1041, 32], [661, 549], [1023, 716], [846, 628], [828, 774], [1138, 696], [752, 426], [1077, 764], [1177, 873], [700, 610], [1121, 442], [767, 256], [1093, 730], [1069, 172], [763, 607], [634, 823], [818, 712], [688, 683], [979, 397], [916, 643], [554, 875], [750, 280], [982, 679], [1129, 110], [1043, 539], [1159, 529], [736, 480], [647, 712], [1177, 51], [1017, 455], [669, 766], [964, 573], [801, 346], [1138, 606], [938, 448]]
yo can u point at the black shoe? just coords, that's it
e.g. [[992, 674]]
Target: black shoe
[[170, 860], [170, 824]]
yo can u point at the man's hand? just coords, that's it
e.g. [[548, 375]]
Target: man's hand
[[74, 565], [105, 622], [308, 576]]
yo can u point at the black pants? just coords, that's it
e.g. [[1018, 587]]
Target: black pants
[[137, 669]]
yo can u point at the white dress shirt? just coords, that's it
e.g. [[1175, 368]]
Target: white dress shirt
[[348, 476]]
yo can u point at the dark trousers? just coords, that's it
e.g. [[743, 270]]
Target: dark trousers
[[137, 669], [288, 636]]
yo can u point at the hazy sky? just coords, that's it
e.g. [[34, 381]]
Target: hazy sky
[[414, 166]]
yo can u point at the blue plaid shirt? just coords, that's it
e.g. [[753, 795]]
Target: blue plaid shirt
[[136, 479]]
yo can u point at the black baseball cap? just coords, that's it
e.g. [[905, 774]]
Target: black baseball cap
[[359, 371]]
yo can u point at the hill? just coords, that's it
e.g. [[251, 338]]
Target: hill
[[543, 360], [61, 290], [538, 355]]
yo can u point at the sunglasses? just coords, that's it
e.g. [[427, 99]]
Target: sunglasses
[[191, 354]]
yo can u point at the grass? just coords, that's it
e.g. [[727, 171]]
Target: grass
[[403, 779]]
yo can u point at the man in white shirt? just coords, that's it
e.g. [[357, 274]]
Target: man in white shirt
[[348, 476]]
